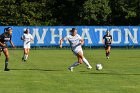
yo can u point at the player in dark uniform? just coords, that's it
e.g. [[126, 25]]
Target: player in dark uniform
[[4, 38], [107, 40]]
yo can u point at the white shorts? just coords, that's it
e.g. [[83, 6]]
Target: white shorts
[[77, 50], [27, 46]]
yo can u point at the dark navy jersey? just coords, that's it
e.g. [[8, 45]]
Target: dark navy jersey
[[108, 39], [5, 38]]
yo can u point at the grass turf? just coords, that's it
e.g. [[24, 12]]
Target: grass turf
[[46, 72]]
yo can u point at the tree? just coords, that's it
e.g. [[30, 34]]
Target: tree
[[124, 12], [95, 12], [69, 12]]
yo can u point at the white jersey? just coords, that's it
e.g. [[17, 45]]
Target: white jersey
[[27, 39], [74, 41]]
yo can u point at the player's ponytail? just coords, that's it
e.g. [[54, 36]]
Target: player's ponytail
[[5, 30]]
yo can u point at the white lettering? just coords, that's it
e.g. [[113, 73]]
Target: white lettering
[[53, 35], [128, 34], [119, 35], [40, 40], [86, 33], [67, 33], [100, 30]]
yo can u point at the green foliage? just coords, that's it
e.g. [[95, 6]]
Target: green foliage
[[126, 11], [69, 12], [96, 12]]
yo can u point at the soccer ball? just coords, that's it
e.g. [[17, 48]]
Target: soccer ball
[[99, 67]]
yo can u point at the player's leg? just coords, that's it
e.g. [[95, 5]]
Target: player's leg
[[108, 50], [81, 56], [25, 54], [24, 49], [28, 50], [75, 63], [106, 53], [6, 53]]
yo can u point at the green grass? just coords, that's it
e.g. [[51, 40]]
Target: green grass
[[46, 72]]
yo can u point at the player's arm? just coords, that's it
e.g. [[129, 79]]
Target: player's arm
[[81, 41], [103, 41], [61, 41], [1, 44], [111, 39], [12, 43], [23, 37], [31, 37]]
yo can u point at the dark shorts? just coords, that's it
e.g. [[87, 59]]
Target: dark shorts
[[106, 46], [2, 48]]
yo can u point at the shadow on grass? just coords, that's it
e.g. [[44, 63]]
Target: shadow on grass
[[125, 74], [133, 57], [49, 70]]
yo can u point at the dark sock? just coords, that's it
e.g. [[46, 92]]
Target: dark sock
[[6, 63], [22, 58], [108, 53]]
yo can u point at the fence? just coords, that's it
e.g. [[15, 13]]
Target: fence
[[92, 35]]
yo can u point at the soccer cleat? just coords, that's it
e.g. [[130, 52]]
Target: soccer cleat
[[89, 67], [71, 69], [107, 57], [22, 59], [6, 69]]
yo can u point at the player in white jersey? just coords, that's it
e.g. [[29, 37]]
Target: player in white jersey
[[27, 38], [76, 43]]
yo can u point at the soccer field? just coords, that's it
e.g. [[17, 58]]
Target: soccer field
[[46, 72]]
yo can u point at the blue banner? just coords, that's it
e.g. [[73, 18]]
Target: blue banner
[[92, 35]]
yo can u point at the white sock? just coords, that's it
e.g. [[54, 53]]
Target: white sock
[[86, 62], [25, 57], [75, 64]]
